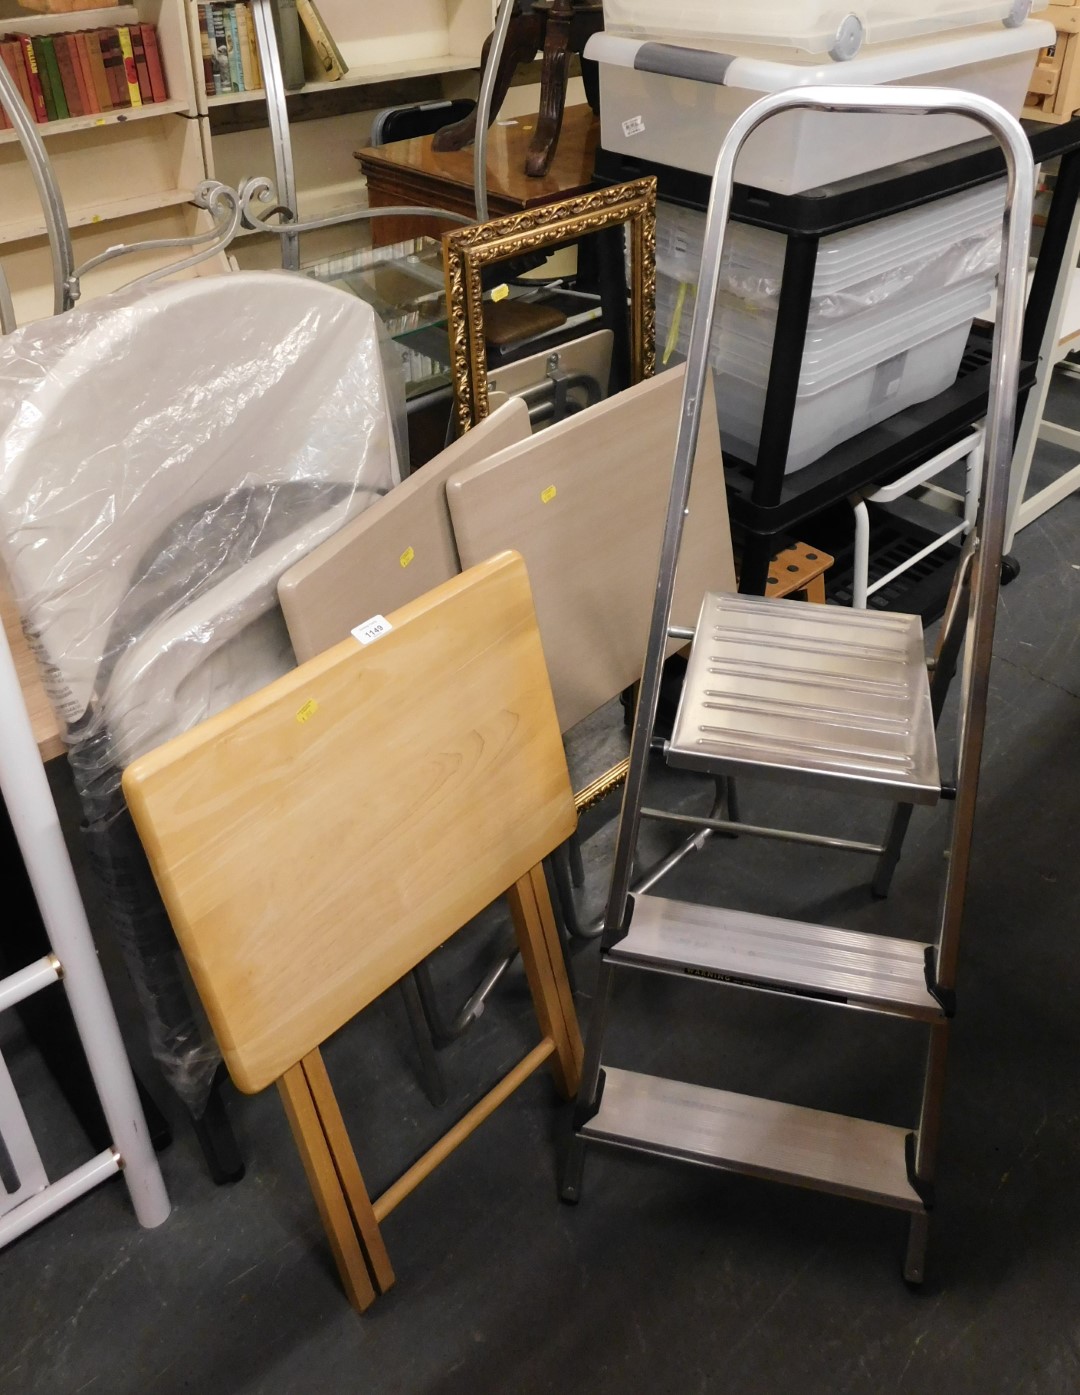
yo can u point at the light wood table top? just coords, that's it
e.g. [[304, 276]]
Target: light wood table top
[[42, 716]]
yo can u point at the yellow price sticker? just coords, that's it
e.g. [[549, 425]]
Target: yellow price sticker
[[500, 292], [307, 711], [548, 494], [409, 555]]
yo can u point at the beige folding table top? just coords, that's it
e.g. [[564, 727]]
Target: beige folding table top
[[394, 551], [584, 503]]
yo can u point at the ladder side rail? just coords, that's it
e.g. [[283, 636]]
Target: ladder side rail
[[992, 519], [695, 385]]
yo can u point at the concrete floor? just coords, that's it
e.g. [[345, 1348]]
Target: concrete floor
[[665, 1279]]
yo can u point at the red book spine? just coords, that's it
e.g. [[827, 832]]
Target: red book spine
[[18, 67], [13, 61], [79, 75], [37, 92], [153, 63], [65, 61], [142, 72], [97, 71], [102, 36], [83, 73], [114, 68]]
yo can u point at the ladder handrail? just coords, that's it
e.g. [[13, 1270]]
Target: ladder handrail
[[1005, 379]]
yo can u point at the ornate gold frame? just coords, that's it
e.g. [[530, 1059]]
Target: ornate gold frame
[[466, 251]]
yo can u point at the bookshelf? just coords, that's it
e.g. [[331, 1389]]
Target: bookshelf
[[396, 50], [125, 175], [383, 41], [129, 175]]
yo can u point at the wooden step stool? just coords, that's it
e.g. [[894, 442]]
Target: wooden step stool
[[799, 571]]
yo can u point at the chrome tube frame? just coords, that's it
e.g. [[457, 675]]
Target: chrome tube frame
[[8, 321], [65, 289], [219, 200], [277, 113], [483, 107], [259, 190]]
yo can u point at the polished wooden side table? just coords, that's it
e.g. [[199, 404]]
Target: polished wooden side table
[[413, 172], [558, 28]]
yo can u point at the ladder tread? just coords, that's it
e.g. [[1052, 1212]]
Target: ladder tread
[[876, 972], [810, 694], [761, 1138]]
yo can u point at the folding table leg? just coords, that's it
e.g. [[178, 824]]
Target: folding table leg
[[541, 953], [348, 1170], [326, 1187], [431, 1076]]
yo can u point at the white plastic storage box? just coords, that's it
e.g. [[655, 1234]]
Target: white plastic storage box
[[855, 374], [816, 26], [944, 243], [674, 104]]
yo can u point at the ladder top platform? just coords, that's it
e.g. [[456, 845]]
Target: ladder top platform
[[809, 694]]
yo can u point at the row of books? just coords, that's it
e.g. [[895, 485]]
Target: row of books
[[86, 72], [230, 52]]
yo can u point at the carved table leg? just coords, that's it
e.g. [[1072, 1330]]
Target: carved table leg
[[553, 84], [524, 38]]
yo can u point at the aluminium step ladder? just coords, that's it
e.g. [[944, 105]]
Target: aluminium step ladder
[[832, 698]]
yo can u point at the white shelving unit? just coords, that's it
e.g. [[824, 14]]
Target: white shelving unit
[[128, 176], [125, 176], [382, 41]]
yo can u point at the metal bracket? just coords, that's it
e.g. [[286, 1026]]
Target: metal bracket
[[944, 997], [585, 1110], [922, 1189], [615, 934]]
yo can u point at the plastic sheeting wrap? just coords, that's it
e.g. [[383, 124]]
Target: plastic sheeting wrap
[[165, 456]]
